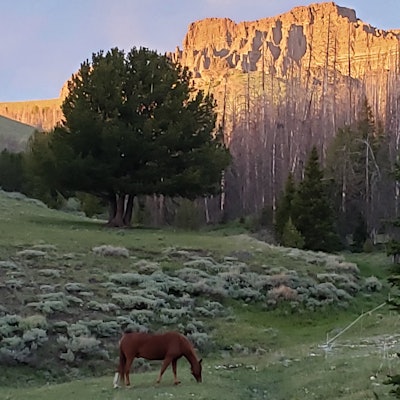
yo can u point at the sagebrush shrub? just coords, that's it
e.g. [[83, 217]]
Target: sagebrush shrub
[[282, 292], [29, 253], [110, 251], [372, 284]]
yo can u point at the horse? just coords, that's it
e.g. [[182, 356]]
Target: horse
[[169, 347]]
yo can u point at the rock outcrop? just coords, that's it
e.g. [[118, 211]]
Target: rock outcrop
[[314, 42], [312, 37], [40, 114]]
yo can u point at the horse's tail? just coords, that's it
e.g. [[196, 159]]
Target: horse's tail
[[119, 375]]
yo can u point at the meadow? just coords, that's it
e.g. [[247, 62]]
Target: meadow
[[269, 322]]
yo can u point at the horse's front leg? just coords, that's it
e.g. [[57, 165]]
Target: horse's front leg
[[174, 363], [166, 362]]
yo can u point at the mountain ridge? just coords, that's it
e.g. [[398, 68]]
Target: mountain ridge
[[314, 38]]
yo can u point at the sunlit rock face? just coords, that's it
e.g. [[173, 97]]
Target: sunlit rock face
[[318, 44], [312, 37]]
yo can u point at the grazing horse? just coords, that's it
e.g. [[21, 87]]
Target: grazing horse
[[169, 347]]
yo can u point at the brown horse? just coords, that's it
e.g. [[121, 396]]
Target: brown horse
[[169, 347]]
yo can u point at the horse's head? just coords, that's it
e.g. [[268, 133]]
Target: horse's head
[[196, 370]]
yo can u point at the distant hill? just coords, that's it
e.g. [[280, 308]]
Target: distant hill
[[14, 135]]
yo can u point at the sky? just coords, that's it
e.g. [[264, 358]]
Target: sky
[[43, 42]]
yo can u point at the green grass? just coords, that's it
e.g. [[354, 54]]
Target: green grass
[[258, 354]]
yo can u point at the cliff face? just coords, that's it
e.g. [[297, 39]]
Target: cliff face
[[313, 37], [40, 114], [307, 42]]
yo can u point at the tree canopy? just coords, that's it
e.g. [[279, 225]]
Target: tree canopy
[[133, 124]]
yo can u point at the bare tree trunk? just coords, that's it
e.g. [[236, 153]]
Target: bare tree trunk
[[118, 220], [207, 212], [112, 208], [128, 210]]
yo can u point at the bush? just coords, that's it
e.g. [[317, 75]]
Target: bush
[[282, 292], [372, 284], [368, 246], [90, 205], [33, 321], [110, 251], [291, 237], [188, 216]]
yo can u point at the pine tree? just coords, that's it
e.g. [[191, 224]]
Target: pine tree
[[312, 212], [134, 125], [291, 237], [284, 207]]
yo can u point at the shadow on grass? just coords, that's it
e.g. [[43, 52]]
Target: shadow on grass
[[68, 222]]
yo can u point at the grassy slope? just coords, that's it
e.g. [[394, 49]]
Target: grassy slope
[[294, 365], [14, 135]]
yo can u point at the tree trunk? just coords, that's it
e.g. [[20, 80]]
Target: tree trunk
[[112, 208], [128, 210], [118, 219]]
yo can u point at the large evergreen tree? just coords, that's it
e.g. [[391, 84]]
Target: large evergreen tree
[[133, 125], [312, 211]]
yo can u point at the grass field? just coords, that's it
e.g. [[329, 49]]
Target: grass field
[[253, 352]]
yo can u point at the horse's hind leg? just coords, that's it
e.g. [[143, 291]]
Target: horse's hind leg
[[128, 365], [116, 380], [174, 362], [164, 366]]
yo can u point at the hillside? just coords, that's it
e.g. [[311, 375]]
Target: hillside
[[284, 84], [13, 134], [254, 311]]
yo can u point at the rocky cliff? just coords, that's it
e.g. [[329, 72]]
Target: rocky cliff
[[307, 42], [40, 114], [312, 37]]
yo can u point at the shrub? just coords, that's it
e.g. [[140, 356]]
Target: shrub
[[34, 337], [80, 347], [78, 329], [33, 321], [105, 328], [147, 267], [129, 302], [201, 341], [368, 246], [104, 307], [8, 265], [291, 237], [31, 254], [282, 292], [9, 325], [128, 278], [110, 251], [372, 284], [14, 284], [90, 205], [188, 216], [74, 287], [50, 272], [49, 306]]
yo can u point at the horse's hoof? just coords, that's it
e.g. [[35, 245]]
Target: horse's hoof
[[177, 383], [116, 386]]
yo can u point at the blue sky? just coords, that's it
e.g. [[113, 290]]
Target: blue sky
[[42, 42]]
